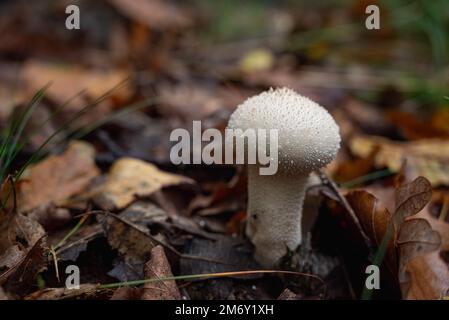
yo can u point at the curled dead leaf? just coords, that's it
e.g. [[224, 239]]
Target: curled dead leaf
[[415, 238], [437, 224], [374, 218], [429, 278], [411, 198], [422, 272]]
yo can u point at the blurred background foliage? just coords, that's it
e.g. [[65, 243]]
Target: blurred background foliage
[[332, 32]]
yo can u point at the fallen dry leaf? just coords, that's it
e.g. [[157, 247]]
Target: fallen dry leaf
[[51, 218], [67, 81], [19, 279], [131, 178], [78, 243], [365, 116], [158, 267], [428, 158], [58, 177], [411, 198], [225, 197], [351, 169], [196, 102], [155, 14], [25, 229], [237, 255], [413, 127], [440, 119], [374, 218], [425, 285], [149, 214], [11, 257], [3, 295], [128, 234], [21, 230], [422, 272], [287, 294], [415, 238], [438, 225], [127, 293], [386, 195], [131, 240]]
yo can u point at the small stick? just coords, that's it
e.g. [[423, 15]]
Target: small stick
[[165, 245], [14, 195], [444, 209]]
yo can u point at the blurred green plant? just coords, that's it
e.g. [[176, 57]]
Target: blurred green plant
[[233, 19], [11, 134], [426, 18]]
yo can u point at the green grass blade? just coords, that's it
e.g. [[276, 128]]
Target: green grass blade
[[66, 124], [126, 110], [10, 145]]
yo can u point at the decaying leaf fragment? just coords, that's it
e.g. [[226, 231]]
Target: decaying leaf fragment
[[86, 291], [67, 81], [374, 218], [25, 229], [412, 197], [133, 243], [58, 177], [440, 222], [19, 278], [422, 274], [158, 267]]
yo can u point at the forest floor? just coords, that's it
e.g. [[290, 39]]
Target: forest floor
[[88, 187]]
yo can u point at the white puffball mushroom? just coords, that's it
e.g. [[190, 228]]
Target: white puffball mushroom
[[308, 139]]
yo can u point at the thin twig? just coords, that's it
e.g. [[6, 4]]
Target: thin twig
[[14, 195], [165, 245], [63, 248], [71, 232], [444, 209]]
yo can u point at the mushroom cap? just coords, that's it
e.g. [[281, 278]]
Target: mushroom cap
[[308, 137]]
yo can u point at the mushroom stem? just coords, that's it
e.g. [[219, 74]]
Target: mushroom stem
[[274, 213]]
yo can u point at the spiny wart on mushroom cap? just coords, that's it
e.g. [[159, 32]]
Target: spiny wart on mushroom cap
[[308, 139], [308, 135]]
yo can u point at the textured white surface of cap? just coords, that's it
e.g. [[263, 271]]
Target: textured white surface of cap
[[309, 138]]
